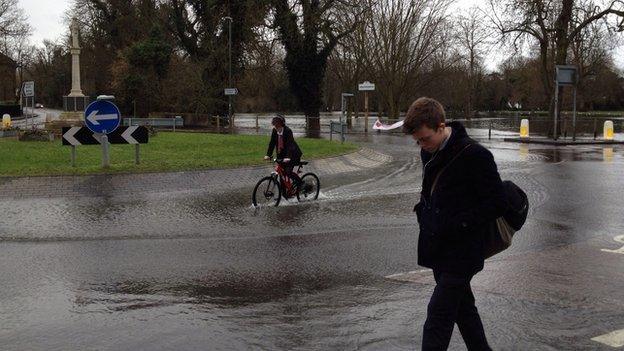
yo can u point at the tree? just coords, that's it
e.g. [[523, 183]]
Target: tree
[[399, 40], [108, 27], [554, 26], [13, 22], [473, 40], [14, 34], [201, 33], [50, 68], [264, 80], [309, 31], [139, 72], [592, 51]]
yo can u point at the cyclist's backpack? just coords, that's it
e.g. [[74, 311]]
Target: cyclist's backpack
[[501, 230]]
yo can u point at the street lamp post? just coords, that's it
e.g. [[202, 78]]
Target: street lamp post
[[230, 117]]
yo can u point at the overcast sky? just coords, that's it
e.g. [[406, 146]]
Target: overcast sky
[[47, 20]]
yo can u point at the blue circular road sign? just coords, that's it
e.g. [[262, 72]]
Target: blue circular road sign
[[102, 117]]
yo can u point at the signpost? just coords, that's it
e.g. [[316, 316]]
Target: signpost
[[345, 96], [229, 92], [103, 117], [28, 91], [366, 87], [74, 136], [565, 75]]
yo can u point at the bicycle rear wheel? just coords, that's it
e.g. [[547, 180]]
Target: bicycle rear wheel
[[267, 192], [310, 188]]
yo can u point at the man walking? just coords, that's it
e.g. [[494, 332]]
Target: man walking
[[461, 194]]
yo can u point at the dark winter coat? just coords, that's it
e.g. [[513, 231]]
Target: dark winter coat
[[291, 149], [467, 197]]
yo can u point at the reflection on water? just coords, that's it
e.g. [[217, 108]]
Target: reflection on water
[[224, 288], [570, 153], [523, 149], [607, 154]]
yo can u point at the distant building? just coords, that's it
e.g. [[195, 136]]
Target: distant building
[[8, 82]]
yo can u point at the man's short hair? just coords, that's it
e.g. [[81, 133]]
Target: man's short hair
[[424, 112]]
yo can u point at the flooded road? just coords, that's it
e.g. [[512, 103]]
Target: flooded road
[[199, 269]]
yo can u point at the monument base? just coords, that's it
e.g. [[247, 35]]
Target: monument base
[[73, 116], [66, 119], [75, 103]]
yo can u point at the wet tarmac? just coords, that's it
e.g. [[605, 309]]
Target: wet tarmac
[[197, 270]]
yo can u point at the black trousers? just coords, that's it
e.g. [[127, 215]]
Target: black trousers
[[452, 302], [289, 170]]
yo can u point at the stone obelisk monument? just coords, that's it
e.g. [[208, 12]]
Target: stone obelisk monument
[[75, 103], [75, 52]]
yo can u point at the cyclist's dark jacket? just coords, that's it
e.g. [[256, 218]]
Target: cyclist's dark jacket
[[468, 196], [291, 149]]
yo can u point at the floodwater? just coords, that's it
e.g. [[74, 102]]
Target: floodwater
[[586, 126], [201, 269]]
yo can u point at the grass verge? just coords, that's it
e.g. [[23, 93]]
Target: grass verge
[[164, 153]]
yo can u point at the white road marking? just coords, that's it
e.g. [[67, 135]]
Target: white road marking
[[619, 239], [613, 339], [397, 275]]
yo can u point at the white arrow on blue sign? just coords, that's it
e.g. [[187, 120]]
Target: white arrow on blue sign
[[102, 117]]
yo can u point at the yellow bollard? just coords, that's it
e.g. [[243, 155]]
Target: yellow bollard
[[6, 121], [608, 130], [524, 128]]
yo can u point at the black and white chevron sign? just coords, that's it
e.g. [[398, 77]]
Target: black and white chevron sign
[[122, 135]]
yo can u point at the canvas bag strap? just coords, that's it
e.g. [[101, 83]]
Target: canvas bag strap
[[435, 181]]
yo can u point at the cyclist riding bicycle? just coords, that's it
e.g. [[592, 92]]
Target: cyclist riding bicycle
[[286, 147]]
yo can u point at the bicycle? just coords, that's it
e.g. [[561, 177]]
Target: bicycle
[[270, 190]]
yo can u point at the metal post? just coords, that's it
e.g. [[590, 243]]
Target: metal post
[[342, 107], [342, 112], [73, 156], [556, 111], [27, 113], [349, 116], [490, 131], [32, 112], [257, 122], [105, 151], [230, 116], [136, 154], [595, 128], [574, 117], [366, 112]]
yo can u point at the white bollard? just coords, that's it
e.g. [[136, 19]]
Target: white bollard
[[524, 128], [608, 130], [6, 121]]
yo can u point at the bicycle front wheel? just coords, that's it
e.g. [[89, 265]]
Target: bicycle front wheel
[[267, 192], [310, 188]]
